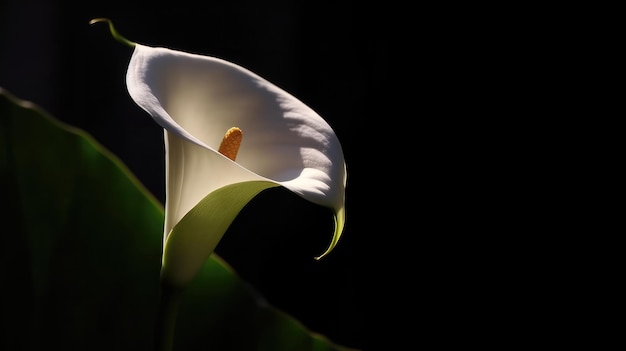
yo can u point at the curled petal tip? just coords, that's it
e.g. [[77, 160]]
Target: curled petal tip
[[96, 20], [317, 258], [114, 32], [328, 250], [340, 219]]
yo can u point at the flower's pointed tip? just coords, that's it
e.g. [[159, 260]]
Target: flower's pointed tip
[[328, 250], [317, 258], [114, 32], [340, 219], [101, 19]]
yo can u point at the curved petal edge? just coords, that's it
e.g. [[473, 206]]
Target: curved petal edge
[[195, 236]]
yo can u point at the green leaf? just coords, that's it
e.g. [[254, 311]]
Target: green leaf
[[81, 255]]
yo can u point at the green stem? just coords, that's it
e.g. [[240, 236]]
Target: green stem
[[169, 301]]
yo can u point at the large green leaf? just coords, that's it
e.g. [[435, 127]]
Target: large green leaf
[[81, 252]]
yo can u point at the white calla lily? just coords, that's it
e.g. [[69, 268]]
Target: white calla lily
[[196, 99]]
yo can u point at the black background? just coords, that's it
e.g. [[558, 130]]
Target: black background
[[331, 55]]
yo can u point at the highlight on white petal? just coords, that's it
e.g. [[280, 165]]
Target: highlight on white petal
[[197, 98]]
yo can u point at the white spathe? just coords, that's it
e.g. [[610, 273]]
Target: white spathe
[[196, 99]]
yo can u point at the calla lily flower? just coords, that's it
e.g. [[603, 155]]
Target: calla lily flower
[[197, 99]]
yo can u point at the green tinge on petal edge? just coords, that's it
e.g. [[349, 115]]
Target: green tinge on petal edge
[[196, 235], [340, 220]]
